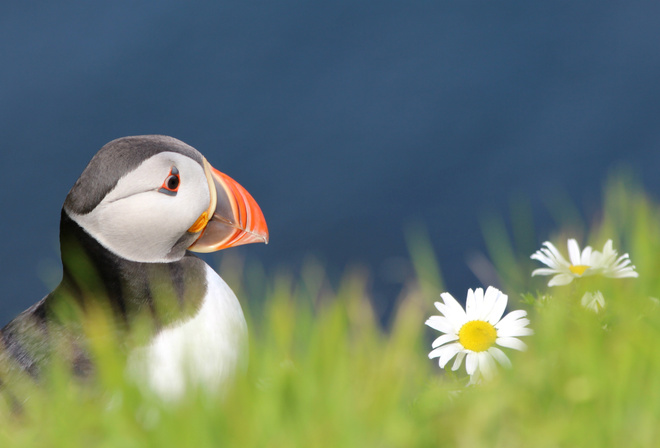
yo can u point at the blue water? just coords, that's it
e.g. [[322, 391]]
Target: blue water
[[346, 120]]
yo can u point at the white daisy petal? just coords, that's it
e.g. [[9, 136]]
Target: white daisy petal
[[498, 307], [471, 363], [449, 299], [628, 272], [479, 298], [512, 316], [440, 323], [452, 303], [448, 354], [623, 263], [458, 361], [438, 352], [555, 254], [441, 340], [490, 298], [513, 343], [486, 365], [514, 332], [500, 357], [585, 258], [561, 279], [510, 324], [548, 261], [574, 252], [449, 312], [470, 305]]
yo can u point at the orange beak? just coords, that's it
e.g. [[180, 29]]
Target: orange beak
[[233, 217]]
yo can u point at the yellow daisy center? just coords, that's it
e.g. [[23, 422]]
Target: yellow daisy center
[[477, 335], [578, 269]]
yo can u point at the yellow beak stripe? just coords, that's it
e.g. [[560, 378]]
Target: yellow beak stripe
[[205, 217], [199, 225]]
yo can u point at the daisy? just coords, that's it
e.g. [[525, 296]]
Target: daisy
[[593, 301], [473, 333], [582, 264]]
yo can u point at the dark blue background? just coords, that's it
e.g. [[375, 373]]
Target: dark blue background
[[346, 120]]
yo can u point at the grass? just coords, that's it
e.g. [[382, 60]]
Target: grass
[[323, 371]]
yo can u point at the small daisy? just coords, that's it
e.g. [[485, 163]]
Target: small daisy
[[593, 301], [582, 264], [472, 333]]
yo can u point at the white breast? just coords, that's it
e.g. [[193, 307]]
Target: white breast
[[205, 350]]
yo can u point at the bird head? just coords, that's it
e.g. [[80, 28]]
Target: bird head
[[151, 198]]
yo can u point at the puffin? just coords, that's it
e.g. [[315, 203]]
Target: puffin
[[129, 228]]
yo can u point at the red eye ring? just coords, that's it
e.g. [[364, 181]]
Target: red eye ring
[[172, 182]]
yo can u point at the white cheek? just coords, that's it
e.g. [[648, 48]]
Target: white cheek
[[144, 225]]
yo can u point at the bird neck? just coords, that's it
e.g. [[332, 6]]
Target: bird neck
[[94, 276]]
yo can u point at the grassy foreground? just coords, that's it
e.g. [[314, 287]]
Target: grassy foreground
[[323, 372]]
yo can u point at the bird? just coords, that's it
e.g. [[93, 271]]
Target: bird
[[129, 228]]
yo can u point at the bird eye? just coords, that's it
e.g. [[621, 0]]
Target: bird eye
[[172, 182]]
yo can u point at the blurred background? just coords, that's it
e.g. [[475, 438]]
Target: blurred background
[[353, 123]]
